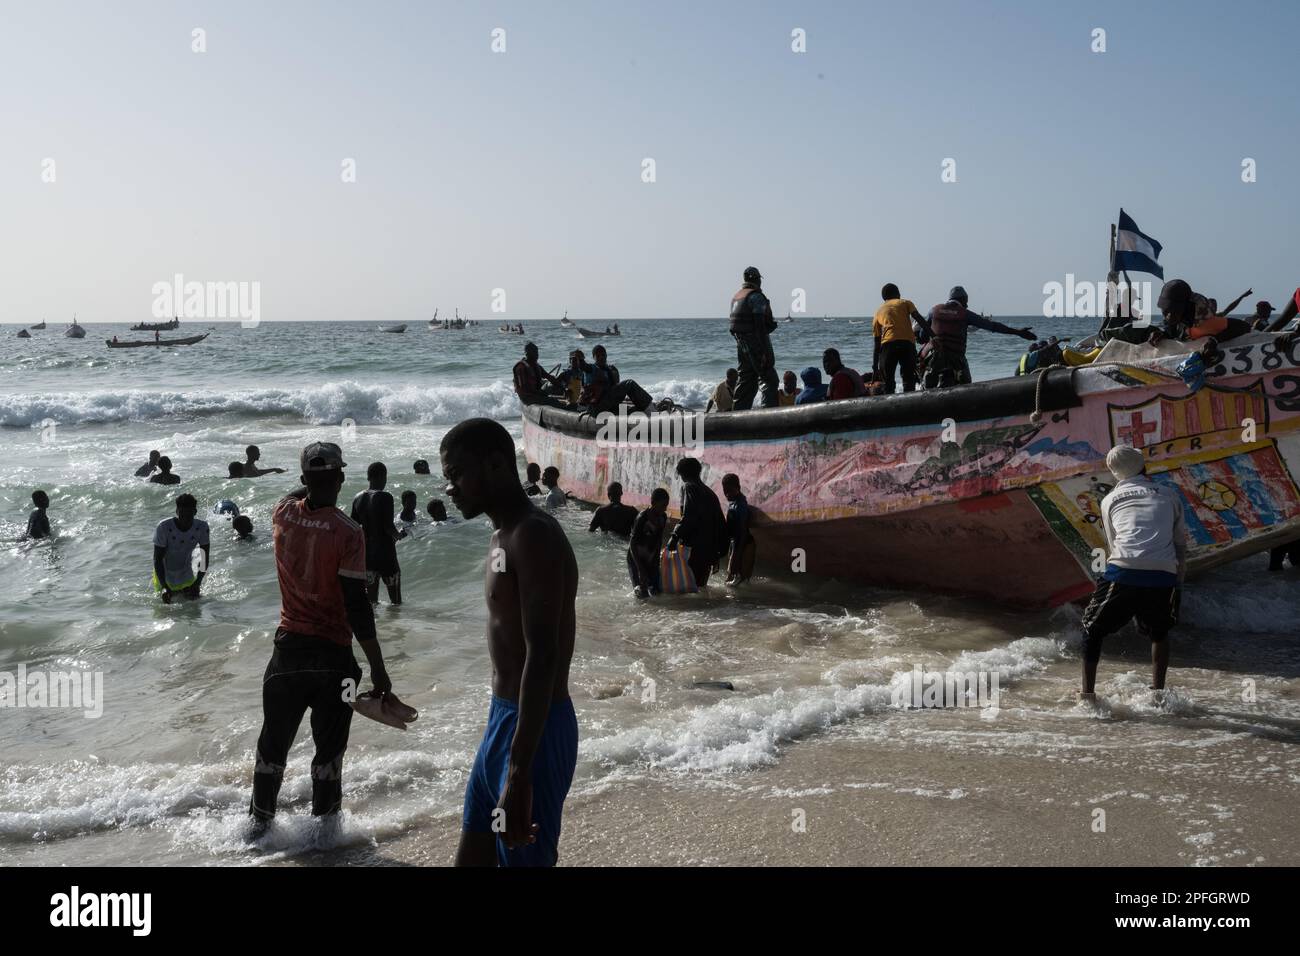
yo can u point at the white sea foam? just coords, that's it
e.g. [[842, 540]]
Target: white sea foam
[[737, 734], [325, 405]]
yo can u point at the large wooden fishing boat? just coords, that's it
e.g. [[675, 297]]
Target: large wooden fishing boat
[[991, 489]]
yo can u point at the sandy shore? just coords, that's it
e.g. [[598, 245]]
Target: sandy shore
[[973, 809]]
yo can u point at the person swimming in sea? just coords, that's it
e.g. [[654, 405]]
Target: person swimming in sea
[[174, 542], [149, 467], [555, 498], [514, 798], [373, 510], [615, 517], [437, 511], [38, 522], [408, 516], [225, 508], [243, 527], [253, 454], [646, 543], [165, 476], [534, 475], [421, 466]]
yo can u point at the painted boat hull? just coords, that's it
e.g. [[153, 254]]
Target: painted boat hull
[[995, 502]]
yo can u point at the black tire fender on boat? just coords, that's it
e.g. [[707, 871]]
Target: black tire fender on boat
[[999, 398]]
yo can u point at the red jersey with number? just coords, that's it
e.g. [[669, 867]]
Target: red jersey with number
[[313, 549]]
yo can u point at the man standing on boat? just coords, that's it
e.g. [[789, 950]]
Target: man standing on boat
[[949, 324], [1146, 560], [751, 326]]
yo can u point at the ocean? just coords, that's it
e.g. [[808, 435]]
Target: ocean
[[163, 774]]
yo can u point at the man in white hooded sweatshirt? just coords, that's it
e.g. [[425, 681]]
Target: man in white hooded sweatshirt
[[1146, 561]]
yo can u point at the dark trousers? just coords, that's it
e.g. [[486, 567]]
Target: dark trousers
[[304, 672], [945, 369], [756, 365], [701, 563], [901, 355]]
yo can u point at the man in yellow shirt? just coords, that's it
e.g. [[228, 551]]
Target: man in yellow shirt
[[895, 346], [723, 397]]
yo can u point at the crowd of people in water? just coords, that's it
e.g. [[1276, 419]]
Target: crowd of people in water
[[330, 565]]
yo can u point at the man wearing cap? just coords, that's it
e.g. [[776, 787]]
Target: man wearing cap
[[1263, 309], [949, 323], [320, 560], [1146, 548], [751, 325]]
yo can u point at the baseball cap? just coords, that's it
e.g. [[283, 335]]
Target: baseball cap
[[1125, 461], [322, 456]]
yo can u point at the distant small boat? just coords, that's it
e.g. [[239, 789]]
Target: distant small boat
[[156, 326], [565, 323], [74, 331], [392, 328], [159, 343], [787, 317], [433, 322], [39, 325], [24, 334], [589, 334], [857, 321]]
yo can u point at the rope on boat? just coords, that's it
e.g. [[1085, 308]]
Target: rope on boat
[[1036, 415]]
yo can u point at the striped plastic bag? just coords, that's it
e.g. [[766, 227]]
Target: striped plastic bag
[[675, 574]]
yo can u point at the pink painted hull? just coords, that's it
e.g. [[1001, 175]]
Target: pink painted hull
[[993, 503]]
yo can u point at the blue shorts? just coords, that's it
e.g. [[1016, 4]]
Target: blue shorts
[[553, 766]]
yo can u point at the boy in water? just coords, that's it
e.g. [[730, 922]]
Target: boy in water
[[534, 473], [551, 482], [646, 543], [243, 527], [38, 522], [524, 767], [437, 510], [615, 517], [741, 563], [174, 542], [147, 469], [405, 521], [373, 510], [253, 454], [165, 476]]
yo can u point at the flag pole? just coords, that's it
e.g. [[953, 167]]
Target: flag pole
[[1110, 276]]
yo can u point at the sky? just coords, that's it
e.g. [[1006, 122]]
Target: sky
[[524, 170]]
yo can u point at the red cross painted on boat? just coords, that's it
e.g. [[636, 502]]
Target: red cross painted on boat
[[1137, 429]]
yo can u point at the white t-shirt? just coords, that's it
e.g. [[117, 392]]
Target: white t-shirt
[[1144, 525], [178, 561]]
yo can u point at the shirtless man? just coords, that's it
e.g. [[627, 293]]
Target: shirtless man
[[523, 769], [253, 455]]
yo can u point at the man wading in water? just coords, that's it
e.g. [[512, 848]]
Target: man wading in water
[[523, 769], [320, 560]]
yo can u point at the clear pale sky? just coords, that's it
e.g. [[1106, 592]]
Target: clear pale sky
[[522, 170]]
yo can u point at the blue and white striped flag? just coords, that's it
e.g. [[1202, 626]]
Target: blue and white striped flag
[[1134, 250]]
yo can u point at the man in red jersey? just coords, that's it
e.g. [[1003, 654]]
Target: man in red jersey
[[320, 559]]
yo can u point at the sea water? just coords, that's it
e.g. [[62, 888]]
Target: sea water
[[162, 774]]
